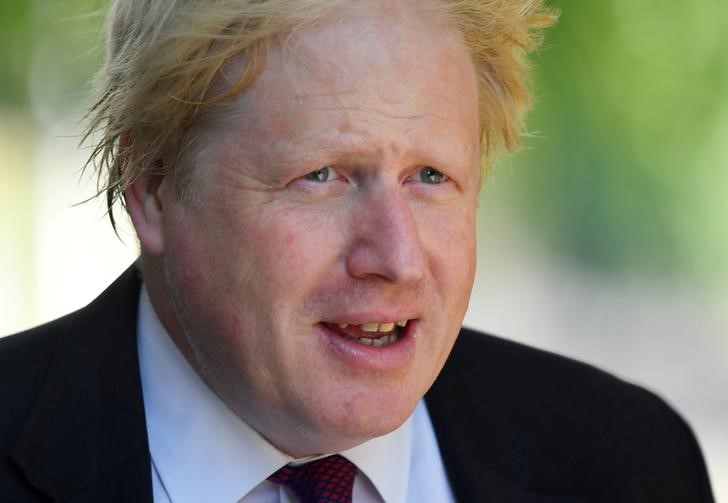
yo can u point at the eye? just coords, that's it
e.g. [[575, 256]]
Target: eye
[[322, 175], [430, 175]]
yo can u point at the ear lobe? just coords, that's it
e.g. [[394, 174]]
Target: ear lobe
[[144, 203]]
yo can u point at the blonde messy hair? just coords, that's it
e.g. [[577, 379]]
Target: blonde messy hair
[[164, 56]]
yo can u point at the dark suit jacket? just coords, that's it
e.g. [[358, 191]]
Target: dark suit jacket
[[514, 424]]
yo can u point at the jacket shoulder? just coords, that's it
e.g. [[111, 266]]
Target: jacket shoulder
[[24, 359], [72, 421], [587, 432]]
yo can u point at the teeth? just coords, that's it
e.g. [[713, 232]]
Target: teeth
[[382, 328], [379, 327], [369, 327], [381, 341]]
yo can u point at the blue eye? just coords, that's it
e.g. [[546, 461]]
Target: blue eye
[[430, 175], [322, 175]]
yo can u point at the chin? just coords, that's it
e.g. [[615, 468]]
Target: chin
[[359, 419]]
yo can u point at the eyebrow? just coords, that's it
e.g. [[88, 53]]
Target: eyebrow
[[362, 151]]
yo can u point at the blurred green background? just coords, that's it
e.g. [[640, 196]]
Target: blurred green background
[[620, 194], [627, 168]]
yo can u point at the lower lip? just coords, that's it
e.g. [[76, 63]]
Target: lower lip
[[389, 357]]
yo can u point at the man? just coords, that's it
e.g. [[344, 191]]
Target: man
[[303, 181]]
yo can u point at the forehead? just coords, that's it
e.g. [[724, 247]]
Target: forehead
[[380, 69], [374, 46], [370, 33]]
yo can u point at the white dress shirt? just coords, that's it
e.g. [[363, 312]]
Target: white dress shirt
[[201, 451]]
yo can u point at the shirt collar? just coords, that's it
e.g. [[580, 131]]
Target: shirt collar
[[204, 452]]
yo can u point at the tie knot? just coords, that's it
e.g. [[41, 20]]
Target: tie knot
[[325, 480]]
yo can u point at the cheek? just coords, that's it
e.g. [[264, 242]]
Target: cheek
[[292, 248], [450, 244], [289, 249]]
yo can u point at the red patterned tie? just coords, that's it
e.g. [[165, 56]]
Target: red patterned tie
[[325, 480]]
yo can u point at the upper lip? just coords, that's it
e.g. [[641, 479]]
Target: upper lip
[[361, 311], [369, 318]]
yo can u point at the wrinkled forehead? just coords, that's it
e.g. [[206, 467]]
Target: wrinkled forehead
[[358, 49], [375, 39], [374, 32]]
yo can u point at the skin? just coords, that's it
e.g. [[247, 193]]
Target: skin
[[251, 280]]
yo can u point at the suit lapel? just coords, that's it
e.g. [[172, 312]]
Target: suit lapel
[[85, 439], [489, 443]]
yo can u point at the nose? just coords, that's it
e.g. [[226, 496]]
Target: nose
[[386, 239]]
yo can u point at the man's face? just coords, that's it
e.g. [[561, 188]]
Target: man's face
[[337, 201]]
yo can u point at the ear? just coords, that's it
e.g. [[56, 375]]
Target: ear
[[144, 202]]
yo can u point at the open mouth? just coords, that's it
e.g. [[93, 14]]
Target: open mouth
[[371, 334]]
